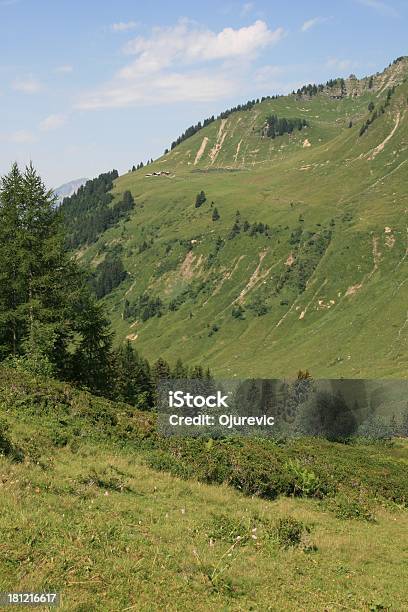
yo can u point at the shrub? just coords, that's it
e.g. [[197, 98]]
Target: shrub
[[346, 507], [7, 447], [107, 478], [305, 482], [200, 199], [288, 532]]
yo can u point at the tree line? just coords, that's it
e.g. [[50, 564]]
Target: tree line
[[90, 211], [50, 320], [193, 129], [277, 126]]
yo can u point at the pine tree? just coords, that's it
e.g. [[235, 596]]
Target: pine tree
[[200, 199], [12, 329], [161, 370], [180, 371], [47, 310], [215, 215]]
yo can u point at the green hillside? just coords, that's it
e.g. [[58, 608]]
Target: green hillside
[[97, 506], [305, 266]]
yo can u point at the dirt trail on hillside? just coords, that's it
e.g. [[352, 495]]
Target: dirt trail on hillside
[[381, 146], [306, 308], [376, 262], [201, 150], [388, 174]]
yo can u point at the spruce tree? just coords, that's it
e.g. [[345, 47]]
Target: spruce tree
[[46, 309], [12, 330], [215, 215]]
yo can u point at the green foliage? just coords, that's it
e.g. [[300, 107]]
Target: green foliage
[[306, 483], [375, 428], [49, 322], [289, 532], [215, 214], [277, 126], [351, 507], [238, 312], [89, 212], [258, 306], [108, 275], [200, 199], [144, 308], [108, 478], [7, 448], [228, 529]]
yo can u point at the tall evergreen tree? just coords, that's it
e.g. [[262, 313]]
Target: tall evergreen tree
[[11, 283], [46, 309]]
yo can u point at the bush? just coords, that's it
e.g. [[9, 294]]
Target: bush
[[108, 479], [345, 507], [305, 482], [7, 447], [289, 532]]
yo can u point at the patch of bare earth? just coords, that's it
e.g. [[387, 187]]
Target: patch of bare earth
[[190, 265], [255, 278], [201, 150], [132, 337], [220, 141]]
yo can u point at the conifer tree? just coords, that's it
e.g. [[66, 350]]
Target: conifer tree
[[215, 215], [46, 309]]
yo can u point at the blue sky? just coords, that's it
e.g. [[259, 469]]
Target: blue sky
[[93, 85]]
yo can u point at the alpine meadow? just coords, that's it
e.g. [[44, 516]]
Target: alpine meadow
[[264, 252], [296, 253]]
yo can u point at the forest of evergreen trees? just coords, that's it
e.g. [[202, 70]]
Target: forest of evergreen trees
[[276, 126], [312, 89], [50, 320], [89, 212], [108, 275]]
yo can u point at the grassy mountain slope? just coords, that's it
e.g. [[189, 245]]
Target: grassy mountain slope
[[84, 513], [325, 288]]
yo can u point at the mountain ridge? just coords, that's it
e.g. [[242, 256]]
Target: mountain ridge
[[306, 260]]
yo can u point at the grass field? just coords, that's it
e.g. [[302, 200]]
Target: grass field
[[326, 290], [84, 514]]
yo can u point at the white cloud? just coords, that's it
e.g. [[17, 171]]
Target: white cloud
[[170, 65], [52, 122], [22, 136], [124, 26], [188, 44], [64, 69], [161, 89], [27, 85], [380, 7], [311, 23]]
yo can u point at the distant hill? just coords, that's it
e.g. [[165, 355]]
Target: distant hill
[[294, 257], [68, 189]]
